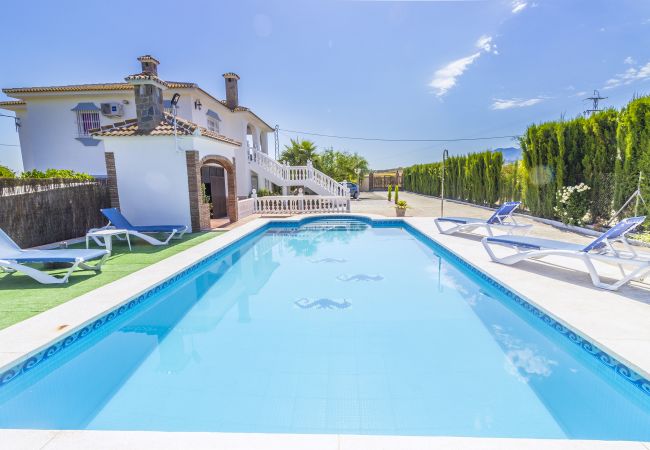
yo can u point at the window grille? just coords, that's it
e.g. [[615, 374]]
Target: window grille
[[86, 121]]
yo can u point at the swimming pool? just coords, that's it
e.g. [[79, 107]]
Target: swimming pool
[[334, 326]]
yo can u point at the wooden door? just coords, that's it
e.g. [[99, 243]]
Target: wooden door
[[218, 194]]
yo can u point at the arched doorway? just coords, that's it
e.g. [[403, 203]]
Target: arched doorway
[[218, 175]]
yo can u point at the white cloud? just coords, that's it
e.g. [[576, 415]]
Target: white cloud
[[518, 6], [629, 76], [486, 44], [447, 76], [629, 60], [501, 103]]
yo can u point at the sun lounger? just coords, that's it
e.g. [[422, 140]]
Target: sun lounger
[[601, 249], [502, 219], [118, 221], [13, 259]]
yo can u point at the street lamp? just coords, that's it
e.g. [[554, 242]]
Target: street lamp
[[174, 103]]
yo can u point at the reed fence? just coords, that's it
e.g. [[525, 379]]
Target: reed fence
[[41, 211]]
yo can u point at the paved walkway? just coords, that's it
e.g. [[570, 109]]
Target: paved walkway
[[423, 206]]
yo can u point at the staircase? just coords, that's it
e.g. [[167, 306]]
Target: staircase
[[306, 176]]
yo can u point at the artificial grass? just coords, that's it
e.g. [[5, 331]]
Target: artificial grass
[[22, 297]]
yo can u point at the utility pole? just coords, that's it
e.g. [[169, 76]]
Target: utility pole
[[595, 100]]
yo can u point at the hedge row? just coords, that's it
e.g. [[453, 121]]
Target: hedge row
[[606, 151], [475, 177]]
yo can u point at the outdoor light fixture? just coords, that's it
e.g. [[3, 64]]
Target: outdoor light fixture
[[198, 105], [175, 99]]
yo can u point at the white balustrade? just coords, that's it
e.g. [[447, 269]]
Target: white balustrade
[[245, 207], [302, 175], [301, 204]]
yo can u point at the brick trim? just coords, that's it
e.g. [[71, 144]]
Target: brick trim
[[194, 187], [111, 175]]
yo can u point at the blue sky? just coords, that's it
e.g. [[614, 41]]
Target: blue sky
[[415, 70]]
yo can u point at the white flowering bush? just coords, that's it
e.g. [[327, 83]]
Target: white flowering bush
[[573, 204]]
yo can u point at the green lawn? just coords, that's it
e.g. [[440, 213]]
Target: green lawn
[[22, 297]]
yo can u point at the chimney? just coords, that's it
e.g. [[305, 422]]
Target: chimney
[[232, 94], [149, 64], [148, 89]]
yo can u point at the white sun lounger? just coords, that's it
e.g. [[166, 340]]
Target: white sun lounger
[[116, 220], [13, 259], [600, 249], [502, 219]]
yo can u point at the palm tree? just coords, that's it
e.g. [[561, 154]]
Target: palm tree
[[299, 152]]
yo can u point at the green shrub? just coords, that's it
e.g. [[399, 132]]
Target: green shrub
[[57, 173], [6, 172], [264, 193], [390, 188], [573, 204], [396, 193]]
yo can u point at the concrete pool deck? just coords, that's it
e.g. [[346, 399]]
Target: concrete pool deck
[[616, 322]]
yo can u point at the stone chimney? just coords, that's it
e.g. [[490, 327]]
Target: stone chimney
[[149, 64], [232, 94], [148, 89]]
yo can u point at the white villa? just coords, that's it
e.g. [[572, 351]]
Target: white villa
[[160, 167]]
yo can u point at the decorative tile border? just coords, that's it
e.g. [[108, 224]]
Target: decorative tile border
[[627, 374]]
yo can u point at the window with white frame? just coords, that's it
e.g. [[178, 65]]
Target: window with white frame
[[86, 121], [213, 120], [213, 125]]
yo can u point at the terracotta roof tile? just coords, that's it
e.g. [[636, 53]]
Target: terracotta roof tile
[[146, 76], [184, 127], [145, 58], [91, 87], [12, 103]]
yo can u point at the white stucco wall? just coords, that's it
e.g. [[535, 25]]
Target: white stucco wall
[[49, 128], [151, 180]]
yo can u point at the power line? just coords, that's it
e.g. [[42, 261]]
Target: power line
[[357, 138], [10, 145]]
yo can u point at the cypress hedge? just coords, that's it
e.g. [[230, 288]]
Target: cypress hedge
[[606, 151], [475, 177]]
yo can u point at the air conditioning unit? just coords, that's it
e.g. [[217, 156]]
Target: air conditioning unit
[[112, 109]]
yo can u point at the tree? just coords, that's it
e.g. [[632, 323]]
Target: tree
[[343, 165], [299, 152]]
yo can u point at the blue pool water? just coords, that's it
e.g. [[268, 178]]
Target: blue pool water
[[333, 327]]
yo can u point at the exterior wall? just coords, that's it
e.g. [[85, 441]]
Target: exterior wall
[[151, 180], [49, 128]]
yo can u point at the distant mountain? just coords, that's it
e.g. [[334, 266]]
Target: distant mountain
[[510, 154]]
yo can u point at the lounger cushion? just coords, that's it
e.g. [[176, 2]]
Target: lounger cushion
[[533, 243], [62, 255], [461, 220], [158, 228]]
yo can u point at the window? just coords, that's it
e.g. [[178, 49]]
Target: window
[[213, 125], [86, 121], [213, 120]]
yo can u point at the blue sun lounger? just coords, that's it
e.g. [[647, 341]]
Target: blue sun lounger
[[601, 249], [501, 219], [118, 221], [13, 259]]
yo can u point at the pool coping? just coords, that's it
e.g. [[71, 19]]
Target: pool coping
[[21, 341]]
